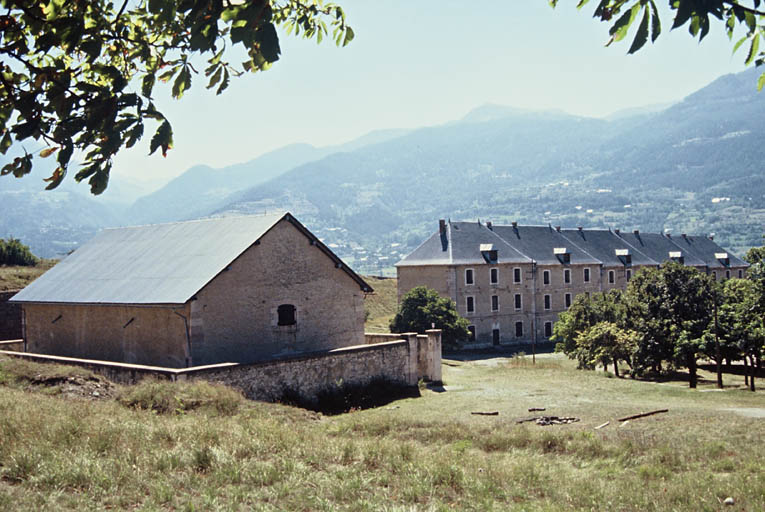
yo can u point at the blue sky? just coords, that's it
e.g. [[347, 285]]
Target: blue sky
[[424, 62]]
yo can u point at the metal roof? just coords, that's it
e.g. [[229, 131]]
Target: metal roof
[[155, 264]]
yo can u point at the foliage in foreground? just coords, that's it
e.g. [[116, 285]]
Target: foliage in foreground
[[69, 68], [422, 308]]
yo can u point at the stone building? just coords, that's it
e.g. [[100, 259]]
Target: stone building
[[233, 289], [511, 282]]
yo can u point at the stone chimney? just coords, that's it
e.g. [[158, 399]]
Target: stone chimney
[[515, 224], [488, 224], [442, 226], [557, 228], [617, 231], [636, 232]]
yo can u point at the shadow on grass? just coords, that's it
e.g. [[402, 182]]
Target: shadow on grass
[[346, 398], [477, 354], [734, 369]]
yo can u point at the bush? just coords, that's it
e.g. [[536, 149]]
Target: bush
[[13, 252], [422, 308], [166, 397]]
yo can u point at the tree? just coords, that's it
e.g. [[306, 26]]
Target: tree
[[81, 75], [742, 324], [422, 308], [755, 254], [605, 342], [622, 14], [13, 252]]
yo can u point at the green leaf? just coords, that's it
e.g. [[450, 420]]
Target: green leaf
[[6, 142], [642, 34], [619, 29], [182, 82], [134, 135], [147, 85], [163, 138], [45, 153], [684, 11], [753, 49], [761, 82], [349, 35], [656, 22], [216, 77]]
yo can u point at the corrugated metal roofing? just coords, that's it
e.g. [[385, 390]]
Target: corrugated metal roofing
[[155, 264]]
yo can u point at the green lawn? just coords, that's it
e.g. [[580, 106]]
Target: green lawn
[[200, 447]]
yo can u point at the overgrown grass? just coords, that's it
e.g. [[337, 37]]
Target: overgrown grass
[[17, 277], [418, 453], [381, 305]]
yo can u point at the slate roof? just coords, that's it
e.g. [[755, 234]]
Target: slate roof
[[603, 243], [539, 242], [461, 244], [705, 249], [156, 264], [657, 247]]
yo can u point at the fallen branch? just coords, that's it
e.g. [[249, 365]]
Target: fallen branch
[[535, 409], [603, 425], [490, 413], [642, 415]]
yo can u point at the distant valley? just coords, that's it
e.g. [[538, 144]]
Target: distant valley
[[695, 167]]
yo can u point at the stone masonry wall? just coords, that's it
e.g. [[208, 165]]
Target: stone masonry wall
[[10, 317]]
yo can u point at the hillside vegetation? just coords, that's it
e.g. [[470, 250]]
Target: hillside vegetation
[[162, 446], [380, 306], [16, 278]]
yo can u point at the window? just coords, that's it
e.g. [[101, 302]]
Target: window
[[495, 336], [714, 275], [548, 329], [629, 274], [495, 302], [469, 304], [494, 275], [567, 299], [468, 276], [471, 330], [727, 274], [546, 277], [586, 275], [611, 277], [518, 303], [286, 314], [567, 276], [740, 274], [516, 275], [547, 302], [518, 329]]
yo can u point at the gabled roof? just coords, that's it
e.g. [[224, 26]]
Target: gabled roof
[[463, 243], [707, 250], [540, 243], [658, 247], [603, 244], [157, 264]]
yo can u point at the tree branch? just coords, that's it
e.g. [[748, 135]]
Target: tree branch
[[734, 3]]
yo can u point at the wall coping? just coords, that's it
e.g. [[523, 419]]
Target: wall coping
[[11, 342], [175, 372]]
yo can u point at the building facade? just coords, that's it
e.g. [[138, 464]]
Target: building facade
[[511, 282], [233, 289]]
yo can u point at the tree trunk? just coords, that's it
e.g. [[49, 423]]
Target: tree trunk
[[616, 368], [727, 363], [746, 371], [718, 361], [751, 377], [691, 363]]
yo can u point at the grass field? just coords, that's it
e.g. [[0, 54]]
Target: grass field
[[163, 446], [15, 278], [381, 305]]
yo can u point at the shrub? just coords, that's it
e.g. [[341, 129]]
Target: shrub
[[13, 252], [180, 397], [421, 308]]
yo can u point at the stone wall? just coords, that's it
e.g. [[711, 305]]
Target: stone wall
[[15, 345], [10, 317], [402, 362]]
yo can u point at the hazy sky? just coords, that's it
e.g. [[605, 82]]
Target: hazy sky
[[424, 62]]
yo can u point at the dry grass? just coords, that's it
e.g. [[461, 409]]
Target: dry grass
[[16, 278], [381, 305], [425, 453]]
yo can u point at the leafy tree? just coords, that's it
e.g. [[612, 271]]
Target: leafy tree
[[755, 254], [742, 322], [422, 307], [623, 14], [81, 75], [586, 312], [605, 342], [13, 252]]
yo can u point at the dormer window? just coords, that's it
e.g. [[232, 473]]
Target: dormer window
[[624, 256], [723, 258], [562, 254], [677, 256], [489, 253]]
